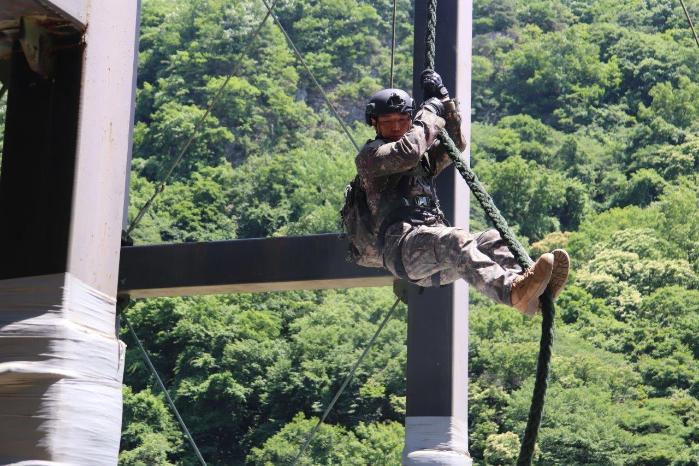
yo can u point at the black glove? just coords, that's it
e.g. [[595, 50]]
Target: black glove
[[432, 85], [435, 106]]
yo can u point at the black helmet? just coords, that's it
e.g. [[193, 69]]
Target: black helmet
[[388, 101]]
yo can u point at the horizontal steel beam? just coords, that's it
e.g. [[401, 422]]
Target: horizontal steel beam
[[246, 265]]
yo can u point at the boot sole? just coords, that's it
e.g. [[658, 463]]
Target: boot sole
[[559, 274]]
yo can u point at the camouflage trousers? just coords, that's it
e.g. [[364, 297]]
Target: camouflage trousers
[[437, 255]]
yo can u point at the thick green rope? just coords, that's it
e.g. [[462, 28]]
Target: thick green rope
[[548, 310], [485, 201], [431, 34]]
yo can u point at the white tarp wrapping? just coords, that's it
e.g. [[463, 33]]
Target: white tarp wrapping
[[61, 369], [436, 440]]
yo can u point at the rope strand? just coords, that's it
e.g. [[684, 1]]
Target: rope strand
[[485, 201], [548, 310], [543, 367], [431, 34]]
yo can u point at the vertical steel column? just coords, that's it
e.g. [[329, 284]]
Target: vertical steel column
[[437, 392], [38, 163], [65, 163]]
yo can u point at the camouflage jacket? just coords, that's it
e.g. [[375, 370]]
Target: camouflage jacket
[[393, 174]]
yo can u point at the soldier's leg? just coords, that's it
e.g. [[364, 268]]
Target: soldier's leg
[[492, 244], [482, 259]]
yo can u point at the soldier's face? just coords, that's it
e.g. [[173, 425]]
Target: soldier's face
[[393, 126]]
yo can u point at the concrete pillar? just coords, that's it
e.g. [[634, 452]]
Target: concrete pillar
[[64, 168], [437, 393]]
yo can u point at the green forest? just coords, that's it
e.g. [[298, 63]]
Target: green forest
[[586, 133]]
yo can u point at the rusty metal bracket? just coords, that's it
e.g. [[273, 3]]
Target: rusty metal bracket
[[36, 45], [41, 38]]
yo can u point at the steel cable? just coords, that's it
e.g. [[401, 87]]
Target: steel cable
[[200, 123], [393, 44], [345, 383], [689, 20], [313, 77], [154, 371]]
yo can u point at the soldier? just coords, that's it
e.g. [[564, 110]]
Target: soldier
[[407, 232]]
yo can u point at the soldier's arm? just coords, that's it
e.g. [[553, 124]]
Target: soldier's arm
[[439, 159], [377, 159]]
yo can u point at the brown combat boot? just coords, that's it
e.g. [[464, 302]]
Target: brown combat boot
[[527, 288], [559, 274]]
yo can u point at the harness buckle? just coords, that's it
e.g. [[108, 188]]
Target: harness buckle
[[423, 201]]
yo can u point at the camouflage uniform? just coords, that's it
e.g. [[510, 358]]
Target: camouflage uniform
[[411, 231]]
